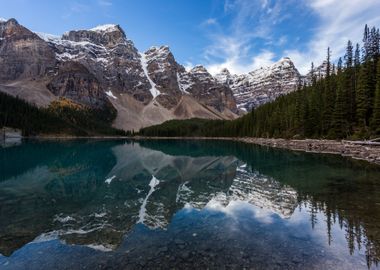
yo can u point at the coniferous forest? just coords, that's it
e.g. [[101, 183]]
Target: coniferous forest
[[62, 117], [344, 104]]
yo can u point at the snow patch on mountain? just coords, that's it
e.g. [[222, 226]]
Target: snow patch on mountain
[[105, 28], [110, 94], [144, 63]]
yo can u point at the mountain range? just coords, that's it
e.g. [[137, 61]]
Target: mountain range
[[100, 67]]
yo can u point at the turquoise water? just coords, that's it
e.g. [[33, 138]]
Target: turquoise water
[[184, 204]]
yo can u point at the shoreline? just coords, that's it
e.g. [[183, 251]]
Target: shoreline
[[369, 153]]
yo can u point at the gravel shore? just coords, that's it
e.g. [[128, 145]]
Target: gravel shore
[[370, 153]]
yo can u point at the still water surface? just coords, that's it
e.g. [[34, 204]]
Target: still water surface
[[184, 204]]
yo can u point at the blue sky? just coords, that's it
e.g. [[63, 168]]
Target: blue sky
[[240, 35]]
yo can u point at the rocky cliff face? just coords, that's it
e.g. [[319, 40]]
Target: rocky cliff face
[[154, 75], [207, 89], [262, 85], [108, 55], [163, 71], [22, 53], [73, 81]]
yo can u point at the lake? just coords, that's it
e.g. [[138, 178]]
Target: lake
[[119, 204]]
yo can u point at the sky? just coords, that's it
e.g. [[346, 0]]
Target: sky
[[241, 35]]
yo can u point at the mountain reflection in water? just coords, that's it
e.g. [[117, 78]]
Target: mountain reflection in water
[[161, 202]]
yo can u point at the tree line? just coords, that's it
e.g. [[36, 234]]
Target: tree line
[[345, 103], [62, 117]]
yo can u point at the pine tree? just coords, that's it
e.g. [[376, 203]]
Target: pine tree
[[349, 55], [329, 97], [377, 46], [298, 109], [366, 44], [356, 75], [340, 123], [328, 64], [363, 93], [374, 43], [357, 56], [375, 121], [312, 74], [349, 83]]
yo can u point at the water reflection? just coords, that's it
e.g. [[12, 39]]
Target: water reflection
[[135, 198]]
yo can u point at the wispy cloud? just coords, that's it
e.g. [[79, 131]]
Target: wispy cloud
[[252, 20], [253, 36], [339, 22]]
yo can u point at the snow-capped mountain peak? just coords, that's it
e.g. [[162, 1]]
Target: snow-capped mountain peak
[[199, 69], [158, 53], [105, 28], [263, 84]]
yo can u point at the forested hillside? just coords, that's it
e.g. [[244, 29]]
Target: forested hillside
[[344, 104], [62, 117]]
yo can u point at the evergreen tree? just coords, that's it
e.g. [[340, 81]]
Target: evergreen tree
[[329, 97], [374, 43], [375, 122], [363, 94], [328, 63], [357, 56], [312, 74], [349, 55], [349, 83], [366, 44], [340, 122]]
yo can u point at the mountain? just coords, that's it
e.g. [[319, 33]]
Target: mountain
[[262, 85], [101, 67]]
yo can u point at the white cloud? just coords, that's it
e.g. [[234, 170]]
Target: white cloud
[[236, 66], [189, 66], [339, 22], [232, 51], [232, 46], [265, 58]]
